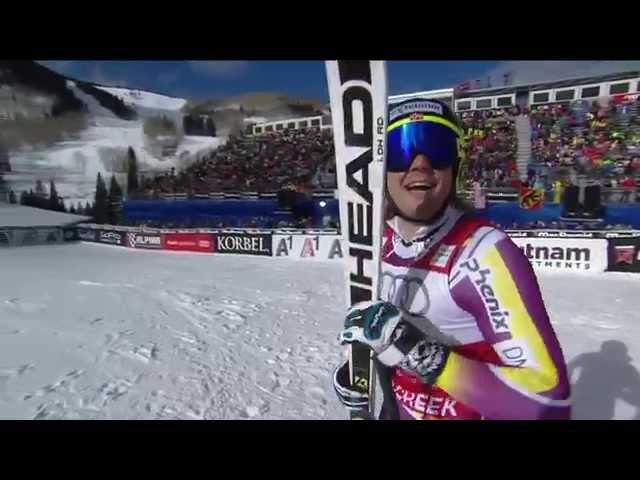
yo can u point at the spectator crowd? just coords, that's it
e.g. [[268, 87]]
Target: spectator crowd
[[586, 139], [264, 163], [491, 143], [569, 141]]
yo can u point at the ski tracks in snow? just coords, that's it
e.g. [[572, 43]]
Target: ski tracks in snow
[[246, 364], [167, 339]]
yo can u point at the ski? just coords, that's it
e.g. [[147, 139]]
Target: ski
[[358, 99]]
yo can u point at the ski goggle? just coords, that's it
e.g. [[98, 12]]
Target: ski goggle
[[435, 137]]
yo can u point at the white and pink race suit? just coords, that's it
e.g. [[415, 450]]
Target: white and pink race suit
[[467, 285]]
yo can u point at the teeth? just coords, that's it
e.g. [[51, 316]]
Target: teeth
[[419, 184]]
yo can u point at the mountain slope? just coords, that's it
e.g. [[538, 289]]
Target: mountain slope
[[28, 74]]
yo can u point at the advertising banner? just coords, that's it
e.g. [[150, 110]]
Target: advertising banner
[[87, 234], [189, 242], [563, 255], [308, 247], [110, 237], [144, 240], [624, 255], [245, 243], [27, 237], [70, 234], [51, 235], [6, 238]]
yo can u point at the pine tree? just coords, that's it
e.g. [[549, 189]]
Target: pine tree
[[187, 124], [87, 210], [132, 171], [72, 210], [101, 202], [12, 197], [23, 198], [39, 198], [40, 188], [211, 130], [115, 202], [54, 201]]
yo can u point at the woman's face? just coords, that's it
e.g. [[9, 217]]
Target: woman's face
[[421, 191]]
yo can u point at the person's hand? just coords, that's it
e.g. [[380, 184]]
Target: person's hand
[[381, 327], [371, 323], [351, 398]]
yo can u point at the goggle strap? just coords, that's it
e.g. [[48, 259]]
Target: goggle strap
[[426, 118]]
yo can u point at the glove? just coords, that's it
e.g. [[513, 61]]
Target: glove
[[381, 327], [372, 324], [426, 360], [350, 398]]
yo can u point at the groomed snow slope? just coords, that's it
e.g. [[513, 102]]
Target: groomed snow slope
[[140, 98], [97, 332]]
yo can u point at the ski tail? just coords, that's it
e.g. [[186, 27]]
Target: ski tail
[[358, 96]]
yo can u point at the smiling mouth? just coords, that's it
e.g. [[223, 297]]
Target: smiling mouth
[[419, 186]]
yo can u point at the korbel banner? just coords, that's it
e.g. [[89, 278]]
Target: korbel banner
[[308, 247], [245, 243]]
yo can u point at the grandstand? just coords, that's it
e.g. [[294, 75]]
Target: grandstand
[[548, 136]]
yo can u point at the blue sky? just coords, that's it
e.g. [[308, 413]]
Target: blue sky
[[213, 79]]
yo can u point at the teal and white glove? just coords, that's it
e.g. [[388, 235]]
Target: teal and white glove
[[381, 327], [376, 324]]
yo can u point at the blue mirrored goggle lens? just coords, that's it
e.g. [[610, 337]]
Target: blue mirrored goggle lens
[[436, 141]]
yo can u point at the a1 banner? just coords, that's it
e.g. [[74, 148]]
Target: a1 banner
[[245, 243], [144, 240], [308, 247], [189, 242], [565, 255], [624, 254]]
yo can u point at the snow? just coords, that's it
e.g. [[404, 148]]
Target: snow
[[98, 332], [257, 120], [92, 104], [18, 216], [74, 164], [140, 98]]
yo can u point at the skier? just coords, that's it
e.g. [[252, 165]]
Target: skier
[[483, 346]]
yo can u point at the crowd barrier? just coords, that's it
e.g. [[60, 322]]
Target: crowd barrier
[[30, 236], [556, 250]]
